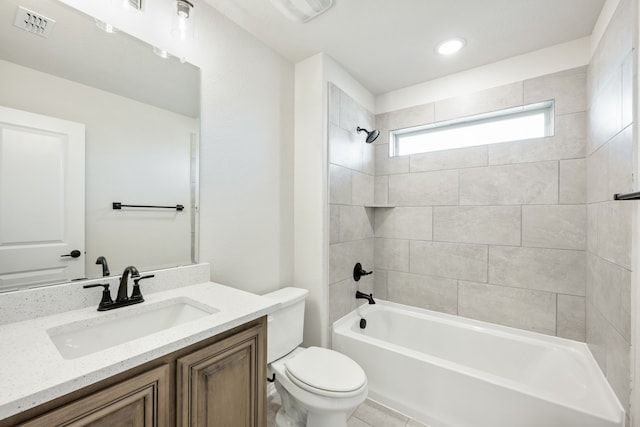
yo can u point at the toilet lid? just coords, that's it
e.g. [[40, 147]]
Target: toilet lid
[[319, 369]]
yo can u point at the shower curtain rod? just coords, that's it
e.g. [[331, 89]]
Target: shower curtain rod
[[635, 195]]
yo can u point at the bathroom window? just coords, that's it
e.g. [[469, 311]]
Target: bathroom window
[[512, 124]]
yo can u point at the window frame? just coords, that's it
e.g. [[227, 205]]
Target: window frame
[[547, 107]]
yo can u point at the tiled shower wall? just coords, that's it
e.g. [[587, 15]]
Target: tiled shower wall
[[498, 232], [351, 186], [523, 234], [609, 227]]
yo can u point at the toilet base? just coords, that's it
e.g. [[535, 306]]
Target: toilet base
[[292, 414]]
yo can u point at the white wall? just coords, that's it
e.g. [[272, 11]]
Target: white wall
[[135, 153], [246, 188]]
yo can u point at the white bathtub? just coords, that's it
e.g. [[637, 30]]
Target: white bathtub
[[449, 371]]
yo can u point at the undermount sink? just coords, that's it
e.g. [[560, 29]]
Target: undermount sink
[[77, 339]]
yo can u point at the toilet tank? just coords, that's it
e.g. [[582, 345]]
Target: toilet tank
[[286, 324]]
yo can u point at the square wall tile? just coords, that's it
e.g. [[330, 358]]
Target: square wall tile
[[484, 101], [342, 258], [345, 148], [619, 367], [381, 190], [424, 188], [449, 159], [355, 223], [353, 114], [341, 299], [527, 183], [606, 289], [404, 223], [380, 278], [334, 224], [406, 117], [339, 185], [571, 321], [598, 175], [450, 260], [386, 165], [621, 162], [597, 328], [433, 293], [498, 225], [627, 91], [573, 181], [592, 228], [614, 232], [568, 88], [519, 308], [391, 254], [605, 114], [551, 270], [362, 187], [555, 226]]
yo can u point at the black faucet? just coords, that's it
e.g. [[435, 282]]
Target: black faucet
[[105, 267], [122, 300], [368, 297], [123, 294]]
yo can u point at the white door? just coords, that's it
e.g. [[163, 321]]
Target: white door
[[41, 199]]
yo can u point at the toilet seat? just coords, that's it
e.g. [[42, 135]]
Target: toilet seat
[[325, 372]]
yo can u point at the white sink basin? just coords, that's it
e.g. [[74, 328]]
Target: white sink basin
[[121, 325]]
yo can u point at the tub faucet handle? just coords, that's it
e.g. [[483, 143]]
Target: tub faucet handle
[[358, 272]]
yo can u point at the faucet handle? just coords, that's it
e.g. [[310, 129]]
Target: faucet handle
[[106, 295], [136, 280], [136, 294]]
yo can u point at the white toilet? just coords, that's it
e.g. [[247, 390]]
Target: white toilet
[[318, 387]]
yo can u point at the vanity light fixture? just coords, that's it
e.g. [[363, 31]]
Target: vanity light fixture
[[451, 46], [183, 20]]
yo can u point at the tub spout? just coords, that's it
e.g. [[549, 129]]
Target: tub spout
[[368, 297]]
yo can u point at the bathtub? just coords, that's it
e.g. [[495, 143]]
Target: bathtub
[[448, 371]]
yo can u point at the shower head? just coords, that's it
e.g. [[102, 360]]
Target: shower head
[[371, 136]]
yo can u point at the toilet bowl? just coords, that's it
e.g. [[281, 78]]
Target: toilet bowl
[[318, 387]]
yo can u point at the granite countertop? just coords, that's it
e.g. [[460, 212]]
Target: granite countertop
[[33, 370]]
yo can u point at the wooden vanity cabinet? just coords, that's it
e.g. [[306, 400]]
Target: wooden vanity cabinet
[[218, 385], [219, 382], [141, 401]]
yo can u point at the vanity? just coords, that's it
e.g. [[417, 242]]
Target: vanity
[[194, 352], [199, 360]]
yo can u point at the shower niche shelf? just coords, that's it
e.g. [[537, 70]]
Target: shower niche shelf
[[379, 205]]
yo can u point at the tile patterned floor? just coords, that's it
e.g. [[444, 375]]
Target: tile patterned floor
[[369, 414]]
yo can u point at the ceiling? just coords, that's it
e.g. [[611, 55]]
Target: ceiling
[[390, 44], [117, 63]]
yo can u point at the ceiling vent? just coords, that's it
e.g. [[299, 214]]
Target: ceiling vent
[[34, 22], [302, 10]]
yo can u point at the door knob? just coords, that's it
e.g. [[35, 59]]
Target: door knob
[[73, 254]]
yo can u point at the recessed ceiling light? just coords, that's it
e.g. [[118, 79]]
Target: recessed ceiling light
[[451, 46]]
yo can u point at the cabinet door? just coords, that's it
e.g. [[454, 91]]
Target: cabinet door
[[223, 385], [141, 401]]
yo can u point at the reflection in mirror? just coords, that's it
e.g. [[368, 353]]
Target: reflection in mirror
[[140, 114]]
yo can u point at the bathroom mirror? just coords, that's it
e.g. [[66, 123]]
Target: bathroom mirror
[[141, 117]]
